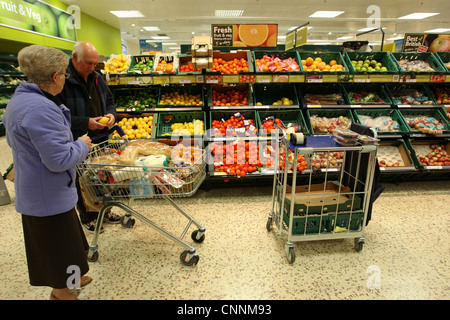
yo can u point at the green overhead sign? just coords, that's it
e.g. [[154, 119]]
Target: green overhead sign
[[38, 17]]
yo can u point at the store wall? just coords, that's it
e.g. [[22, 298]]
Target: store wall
[[104, 37]]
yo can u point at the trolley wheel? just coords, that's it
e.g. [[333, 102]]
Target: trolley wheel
[[191, 262], [195, 237], [291, 255], [359, 243], [92, 258], [269, 224], [129, 224]]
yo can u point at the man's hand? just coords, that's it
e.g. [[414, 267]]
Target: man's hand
[[95, 125]]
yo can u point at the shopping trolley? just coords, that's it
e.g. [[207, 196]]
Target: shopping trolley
[[334, 202], [118, 185]]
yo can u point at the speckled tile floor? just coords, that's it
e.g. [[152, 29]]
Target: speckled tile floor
[[406, 251]]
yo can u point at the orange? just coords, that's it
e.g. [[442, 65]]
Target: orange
[[169, 68], [333, 62], [309, 61], [318, 60], [253, 34]]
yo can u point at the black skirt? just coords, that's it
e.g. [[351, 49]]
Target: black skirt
[[56, 249]]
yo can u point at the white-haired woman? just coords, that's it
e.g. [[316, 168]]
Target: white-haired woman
[[45, 156]]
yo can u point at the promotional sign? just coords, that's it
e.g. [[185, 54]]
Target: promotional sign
[[290, 40], [426, 42], [148, 45], [38, 17], [244, 35], [301, 36]]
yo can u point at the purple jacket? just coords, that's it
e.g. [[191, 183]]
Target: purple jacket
[[44, 153]]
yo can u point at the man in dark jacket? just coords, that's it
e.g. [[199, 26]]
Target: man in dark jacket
[[89, 99]]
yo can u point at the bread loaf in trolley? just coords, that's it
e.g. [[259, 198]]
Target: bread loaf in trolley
[[143, 147]]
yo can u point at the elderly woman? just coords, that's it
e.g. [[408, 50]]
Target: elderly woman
[[45, 156]]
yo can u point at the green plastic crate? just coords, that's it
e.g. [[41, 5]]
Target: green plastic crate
[[394, 89], [126, 97], [136, 59], [328, 113], [226, 114], [227, 56], [422, 146], [374, 113], [191, 89], [435, 113], [443, 58], [277, 54], [185, 59], [326, 57], [167, 119], [352, 221], [366, 88], [320, 89], [286, 116], [267, 94], [383, 57], [423, 56], [224, 89], [444, 88]]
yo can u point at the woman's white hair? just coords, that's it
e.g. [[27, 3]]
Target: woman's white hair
[[39, 63]]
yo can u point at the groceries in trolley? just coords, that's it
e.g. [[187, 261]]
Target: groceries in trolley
[[135, 167], [349, 138]]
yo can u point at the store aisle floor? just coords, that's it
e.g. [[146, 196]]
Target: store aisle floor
[[406, 251]]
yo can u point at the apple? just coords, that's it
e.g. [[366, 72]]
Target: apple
[[66, 28], [441, 43], [48, 25]]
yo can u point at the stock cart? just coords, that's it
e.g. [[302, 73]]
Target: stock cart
[[334, 202], [118, 185]]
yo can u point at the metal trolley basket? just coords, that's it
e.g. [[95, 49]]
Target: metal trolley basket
[[118, 185], [334, 202]]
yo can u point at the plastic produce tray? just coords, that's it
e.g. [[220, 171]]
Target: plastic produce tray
[[190, 89], [374, 113], [166, 120], [277, 54], [136, 59], [328, 113], [286, 116], [383, 57], [326, 57], [435, 113], [378, 89], [224, 89], [321, 90], [392, 90], [423, 56], [267, 94]]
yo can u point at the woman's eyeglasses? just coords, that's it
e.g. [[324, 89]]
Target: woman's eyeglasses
[[65, 74]]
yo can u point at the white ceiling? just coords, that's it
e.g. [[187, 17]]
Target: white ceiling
[[180, 18]]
